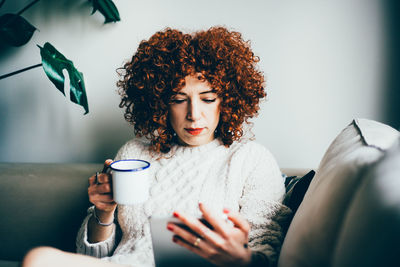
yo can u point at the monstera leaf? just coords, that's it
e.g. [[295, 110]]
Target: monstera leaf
[[53, 64], [107, 8], [15, 30]]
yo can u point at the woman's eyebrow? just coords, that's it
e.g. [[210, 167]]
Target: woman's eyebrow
[[201, 93], [207, 92]]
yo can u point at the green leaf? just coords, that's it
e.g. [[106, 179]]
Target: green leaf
[[15, 30], [53, 64], [107, 8]]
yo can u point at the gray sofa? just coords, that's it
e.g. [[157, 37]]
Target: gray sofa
[[42, 204], [350, 214]]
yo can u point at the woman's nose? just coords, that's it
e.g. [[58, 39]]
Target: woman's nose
[[194, 112]]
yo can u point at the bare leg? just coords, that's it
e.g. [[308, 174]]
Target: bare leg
[[50, 257]]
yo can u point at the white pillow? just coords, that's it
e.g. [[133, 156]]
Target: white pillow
[[312, 235], [370, 233]]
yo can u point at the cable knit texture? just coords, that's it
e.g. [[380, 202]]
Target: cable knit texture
[[244, 177]]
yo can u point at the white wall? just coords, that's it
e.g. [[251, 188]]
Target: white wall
[[323, 61]]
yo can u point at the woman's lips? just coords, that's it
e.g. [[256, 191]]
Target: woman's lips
[[194, 131]]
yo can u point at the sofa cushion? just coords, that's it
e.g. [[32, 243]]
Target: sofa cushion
[[296, 188], [312, 235], [377, 202]]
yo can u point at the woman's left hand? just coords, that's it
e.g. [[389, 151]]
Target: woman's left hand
[[224, 245]]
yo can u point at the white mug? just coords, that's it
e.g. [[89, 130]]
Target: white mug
[[130, 181]]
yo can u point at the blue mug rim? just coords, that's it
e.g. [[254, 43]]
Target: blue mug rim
[[131, 170]]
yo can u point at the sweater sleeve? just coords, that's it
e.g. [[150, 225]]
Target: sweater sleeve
[[261, 205], [106, 248], [100, 249]]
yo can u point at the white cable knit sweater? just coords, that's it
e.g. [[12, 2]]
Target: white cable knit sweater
[[244, 177]]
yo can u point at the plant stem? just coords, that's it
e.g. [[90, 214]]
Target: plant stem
[[19, 71], [2, 2], [28, 6]]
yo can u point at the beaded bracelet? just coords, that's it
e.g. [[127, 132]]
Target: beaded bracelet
[[98, 220]]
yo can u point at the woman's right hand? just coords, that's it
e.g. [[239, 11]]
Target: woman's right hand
[[100, 195]]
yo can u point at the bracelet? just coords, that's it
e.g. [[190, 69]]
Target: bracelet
[[258, 259], [98, 220]]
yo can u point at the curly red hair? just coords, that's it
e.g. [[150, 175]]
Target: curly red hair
[[159, 67]]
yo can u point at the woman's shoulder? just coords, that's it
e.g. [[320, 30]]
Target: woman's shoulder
[[252, 153], [137, 143], [134, 148], [250, 148]]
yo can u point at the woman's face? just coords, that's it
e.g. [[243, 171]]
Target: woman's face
[[194, 112]]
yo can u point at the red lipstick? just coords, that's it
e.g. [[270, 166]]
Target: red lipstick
[[194, 131]]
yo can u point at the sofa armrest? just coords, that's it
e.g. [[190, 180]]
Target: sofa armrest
[[42, 205], [9, 263]]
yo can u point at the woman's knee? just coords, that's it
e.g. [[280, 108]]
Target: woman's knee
[[41, 256]]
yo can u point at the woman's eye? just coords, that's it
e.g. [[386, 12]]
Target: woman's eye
[[178, 101], [209, 100]]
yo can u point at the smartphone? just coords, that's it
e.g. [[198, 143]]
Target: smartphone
[[168, 253], [185, 227]]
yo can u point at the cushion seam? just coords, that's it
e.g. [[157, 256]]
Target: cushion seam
[[364, 141]]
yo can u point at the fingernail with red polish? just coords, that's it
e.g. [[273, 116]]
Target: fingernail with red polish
[[170, 227], [226, 210], [174, 239], [176, 214]]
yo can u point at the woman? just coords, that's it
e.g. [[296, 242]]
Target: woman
[[189, 94]]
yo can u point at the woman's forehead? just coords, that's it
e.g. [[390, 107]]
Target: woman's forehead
[[197, 82], [195, 85]]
